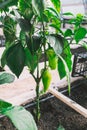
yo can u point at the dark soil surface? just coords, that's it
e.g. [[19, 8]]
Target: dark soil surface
[[54, 112]]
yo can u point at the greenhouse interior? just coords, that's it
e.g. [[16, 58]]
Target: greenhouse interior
[[43, 65]]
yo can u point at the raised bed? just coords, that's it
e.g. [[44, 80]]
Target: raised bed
[[54, 112]]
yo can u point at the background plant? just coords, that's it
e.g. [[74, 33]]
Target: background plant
[[33, 29]]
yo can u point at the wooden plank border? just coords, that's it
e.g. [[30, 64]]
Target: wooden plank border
[[69, 102]]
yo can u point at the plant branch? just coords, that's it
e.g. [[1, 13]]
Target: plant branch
[[37, 93], [44, 46]]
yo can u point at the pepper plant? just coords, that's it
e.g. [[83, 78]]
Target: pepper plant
[[33, 29]]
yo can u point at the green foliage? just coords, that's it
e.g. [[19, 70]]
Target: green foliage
[[9, 29], [6, 78], [21, 118], [78, 20], [31, 60], [56, 41], [84, 45], [80, 34], [68, 14], [61, 127], [15, 58], [24, 24], [54, 17], [39, 7], [3, 58], [57, 4], [5, 4], [25, 8], [35, 38], [66, 55], [64, 69], [68, 33], [4, 105], [34, 43]]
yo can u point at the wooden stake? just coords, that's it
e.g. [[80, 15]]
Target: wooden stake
[[69, 102]]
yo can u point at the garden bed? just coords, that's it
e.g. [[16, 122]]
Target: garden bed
[[54, 112]]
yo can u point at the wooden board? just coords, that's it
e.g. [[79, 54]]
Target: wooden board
[[69, 102]]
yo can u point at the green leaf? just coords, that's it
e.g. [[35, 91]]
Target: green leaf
[[80, 34], [4, 105], [64, 70], [15, 58], [53, 16], [3, 58], [67, 56], [84, 45], [33, 44], [22, 37], [48, 13], [61, 128], [23, 5], [72, 21], [4, 3], [45, 18], [9, 29], [68, 14], [57, 4], [79, 19], [21, 118], [57, 27], [13, 3], [68, 33], [25, 8], [31, 60], [6, 78], [53, 12], [38, 6], [56, 41], [24, 24]]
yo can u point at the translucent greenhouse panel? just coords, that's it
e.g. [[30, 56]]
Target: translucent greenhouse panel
[[73, 6]]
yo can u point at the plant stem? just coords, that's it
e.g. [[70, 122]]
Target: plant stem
[[44, 45], [37, 94], [37, 103], [38, 78]]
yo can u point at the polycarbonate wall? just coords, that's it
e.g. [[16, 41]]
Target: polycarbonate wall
[[73, 6]]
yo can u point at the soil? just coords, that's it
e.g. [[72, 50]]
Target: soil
[[55, 113]]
